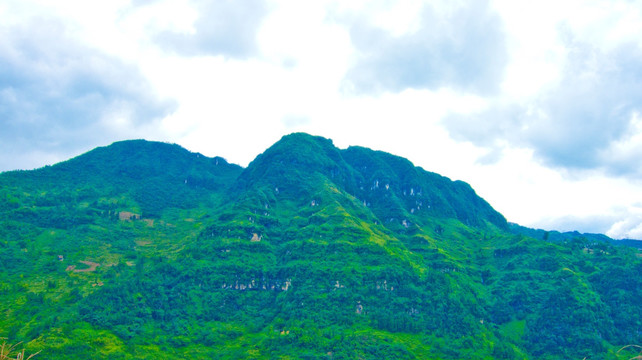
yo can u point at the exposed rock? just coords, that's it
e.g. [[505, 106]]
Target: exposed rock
[[126, 215], [287, 285]]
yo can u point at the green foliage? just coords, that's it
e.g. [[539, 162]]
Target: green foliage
[[144, 250]]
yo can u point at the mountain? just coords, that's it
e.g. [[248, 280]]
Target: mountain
[[556, 236], [154, 175], [146, 250]]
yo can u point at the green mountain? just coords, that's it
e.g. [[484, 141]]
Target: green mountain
[[145, 250]]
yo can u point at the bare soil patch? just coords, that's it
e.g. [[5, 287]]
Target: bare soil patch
[[92, 267]]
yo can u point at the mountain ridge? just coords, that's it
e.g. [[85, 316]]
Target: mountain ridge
[[127, 146], [289, 146]]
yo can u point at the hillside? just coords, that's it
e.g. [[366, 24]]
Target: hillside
[[145, 250]]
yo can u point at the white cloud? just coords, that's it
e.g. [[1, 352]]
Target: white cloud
[[454, 45], [628, 228], [536, 53], [624, 156]]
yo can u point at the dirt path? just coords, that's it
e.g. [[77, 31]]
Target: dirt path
[[92, 266]]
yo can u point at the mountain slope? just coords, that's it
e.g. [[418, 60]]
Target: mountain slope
[[154, 175], [144, 250]]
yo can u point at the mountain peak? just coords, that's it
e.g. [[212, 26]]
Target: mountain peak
[[301, 149], [294, 160], [391, 187], [131, 159]]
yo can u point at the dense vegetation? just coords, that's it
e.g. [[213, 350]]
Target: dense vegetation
[[145, 250]]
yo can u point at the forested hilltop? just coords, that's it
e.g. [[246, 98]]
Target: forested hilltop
[[144, 250]]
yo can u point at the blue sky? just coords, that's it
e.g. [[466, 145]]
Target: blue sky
[[535, 104]]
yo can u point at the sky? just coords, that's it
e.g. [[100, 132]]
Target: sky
[[536, 104]]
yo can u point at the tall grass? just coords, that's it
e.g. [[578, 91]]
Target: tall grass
[[9, 352], [631, 347]]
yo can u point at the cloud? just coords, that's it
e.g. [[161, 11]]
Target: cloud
[[462, 48], [59, 96], [222, 27], [624, 156], [576, 123], [628, 228]]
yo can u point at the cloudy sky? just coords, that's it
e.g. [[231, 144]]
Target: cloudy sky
[[536, 104]]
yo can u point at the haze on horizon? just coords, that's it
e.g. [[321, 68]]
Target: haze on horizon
[[536, 105]]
